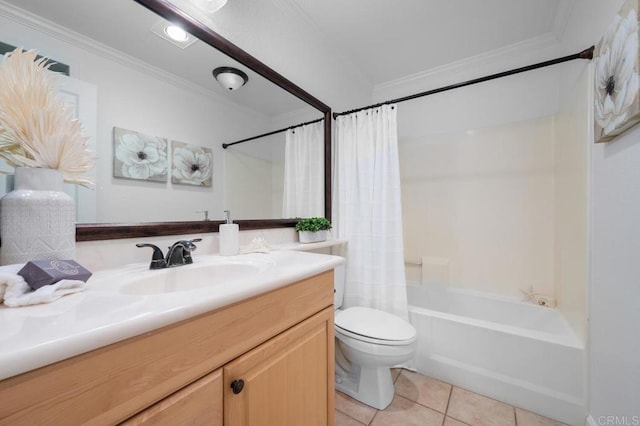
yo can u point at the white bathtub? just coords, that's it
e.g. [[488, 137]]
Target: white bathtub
[[516, 352]]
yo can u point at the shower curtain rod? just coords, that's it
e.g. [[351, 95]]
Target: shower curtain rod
[[227, 145], [585, 54]]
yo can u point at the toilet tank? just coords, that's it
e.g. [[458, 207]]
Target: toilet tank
[[338, 285]]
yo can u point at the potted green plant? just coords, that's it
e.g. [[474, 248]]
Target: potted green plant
[[313, 229]]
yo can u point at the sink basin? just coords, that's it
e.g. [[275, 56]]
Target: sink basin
[[192, 277]]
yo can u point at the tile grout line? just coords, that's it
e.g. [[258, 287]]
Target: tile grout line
[[446, 410], [373, 418], [449, 404]]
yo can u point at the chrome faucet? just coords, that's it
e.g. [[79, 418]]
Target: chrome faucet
[[178, 254]]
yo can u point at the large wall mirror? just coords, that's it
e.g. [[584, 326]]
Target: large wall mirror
[[129, 83]]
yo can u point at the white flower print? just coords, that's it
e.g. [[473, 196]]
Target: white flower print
[[616, 79], [191, 164], [142, 157]]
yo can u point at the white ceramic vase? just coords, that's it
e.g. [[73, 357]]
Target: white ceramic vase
[[37, 218], [312, 237]]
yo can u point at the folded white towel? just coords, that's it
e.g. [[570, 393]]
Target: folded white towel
[[14, 290]]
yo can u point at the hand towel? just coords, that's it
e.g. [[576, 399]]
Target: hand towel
[[14, 290]]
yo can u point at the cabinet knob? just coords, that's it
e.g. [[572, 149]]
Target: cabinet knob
[[237, 386]]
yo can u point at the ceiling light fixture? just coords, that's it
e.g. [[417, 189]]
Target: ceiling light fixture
[[230, 78], [176, 33], [173, 34]]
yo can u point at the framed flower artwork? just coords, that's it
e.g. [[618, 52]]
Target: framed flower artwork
[[192, 165], [616, 100], [139, 156]]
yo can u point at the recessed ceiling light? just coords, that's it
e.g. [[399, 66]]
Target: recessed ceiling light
[[176, 33], [173, 34]]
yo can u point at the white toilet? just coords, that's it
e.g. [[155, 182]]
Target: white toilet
[[368, 343]]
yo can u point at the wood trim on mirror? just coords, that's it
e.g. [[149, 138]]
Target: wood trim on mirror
[[111, 231], [167, 10]]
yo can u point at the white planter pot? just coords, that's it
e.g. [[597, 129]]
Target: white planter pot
[[37, 218], [312, 237]]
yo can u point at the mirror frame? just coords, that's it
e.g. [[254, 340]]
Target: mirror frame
[[170, 12]]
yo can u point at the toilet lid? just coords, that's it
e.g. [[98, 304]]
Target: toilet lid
[[374, 324]]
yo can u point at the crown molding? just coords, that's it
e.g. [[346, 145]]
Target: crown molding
[[544, 41], [51, 29]]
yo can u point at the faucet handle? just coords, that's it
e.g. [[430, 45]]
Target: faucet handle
[[206, 214], [157, 260], [189, 248]]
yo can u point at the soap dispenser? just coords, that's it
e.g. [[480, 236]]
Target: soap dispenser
[[229, 237]]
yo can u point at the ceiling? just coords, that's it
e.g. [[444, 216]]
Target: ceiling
[[390, 40], [384, 40], [125, 26]]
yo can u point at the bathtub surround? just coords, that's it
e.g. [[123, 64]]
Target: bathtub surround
[[478, 206], [304, 171], [367, 211]]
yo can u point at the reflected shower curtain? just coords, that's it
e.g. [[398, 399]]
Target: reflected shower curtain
[[367, 211], [304, 171]]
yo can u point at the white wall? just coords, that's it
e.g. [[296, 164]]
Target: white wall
[[614, 292], [138, 98], [254, 178]]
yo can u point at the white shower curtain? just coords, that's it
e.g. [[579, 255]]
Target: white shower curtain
[[367, 211], [304, 171]]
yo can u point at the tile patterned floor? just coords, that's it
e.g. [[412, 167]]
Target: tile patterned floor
[[424, 401]]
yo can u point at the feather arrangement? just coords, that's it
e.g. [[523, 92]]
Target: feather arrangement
[[36, 129]]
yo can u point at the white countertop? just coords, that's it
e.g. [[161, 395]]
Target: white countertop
[[311, 246], [35, 336]]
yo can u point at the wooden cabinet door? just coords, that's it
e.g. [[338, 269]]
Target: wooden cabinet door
[[199, 403], [288, 380]]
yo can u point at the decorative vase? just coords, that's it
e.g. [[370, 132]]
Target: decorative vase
[[312, 237], [37, 218]]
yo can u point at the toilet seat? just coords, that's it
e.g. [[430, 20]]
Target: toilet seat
[[374, 326]]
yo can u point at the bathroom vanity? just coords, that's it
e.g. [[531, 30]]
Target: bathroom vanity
[[264, 359]]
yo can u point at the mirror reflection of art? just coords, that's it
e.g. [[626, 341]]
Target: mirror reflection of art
[[192, 165], [139, 156], [617, 104]]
